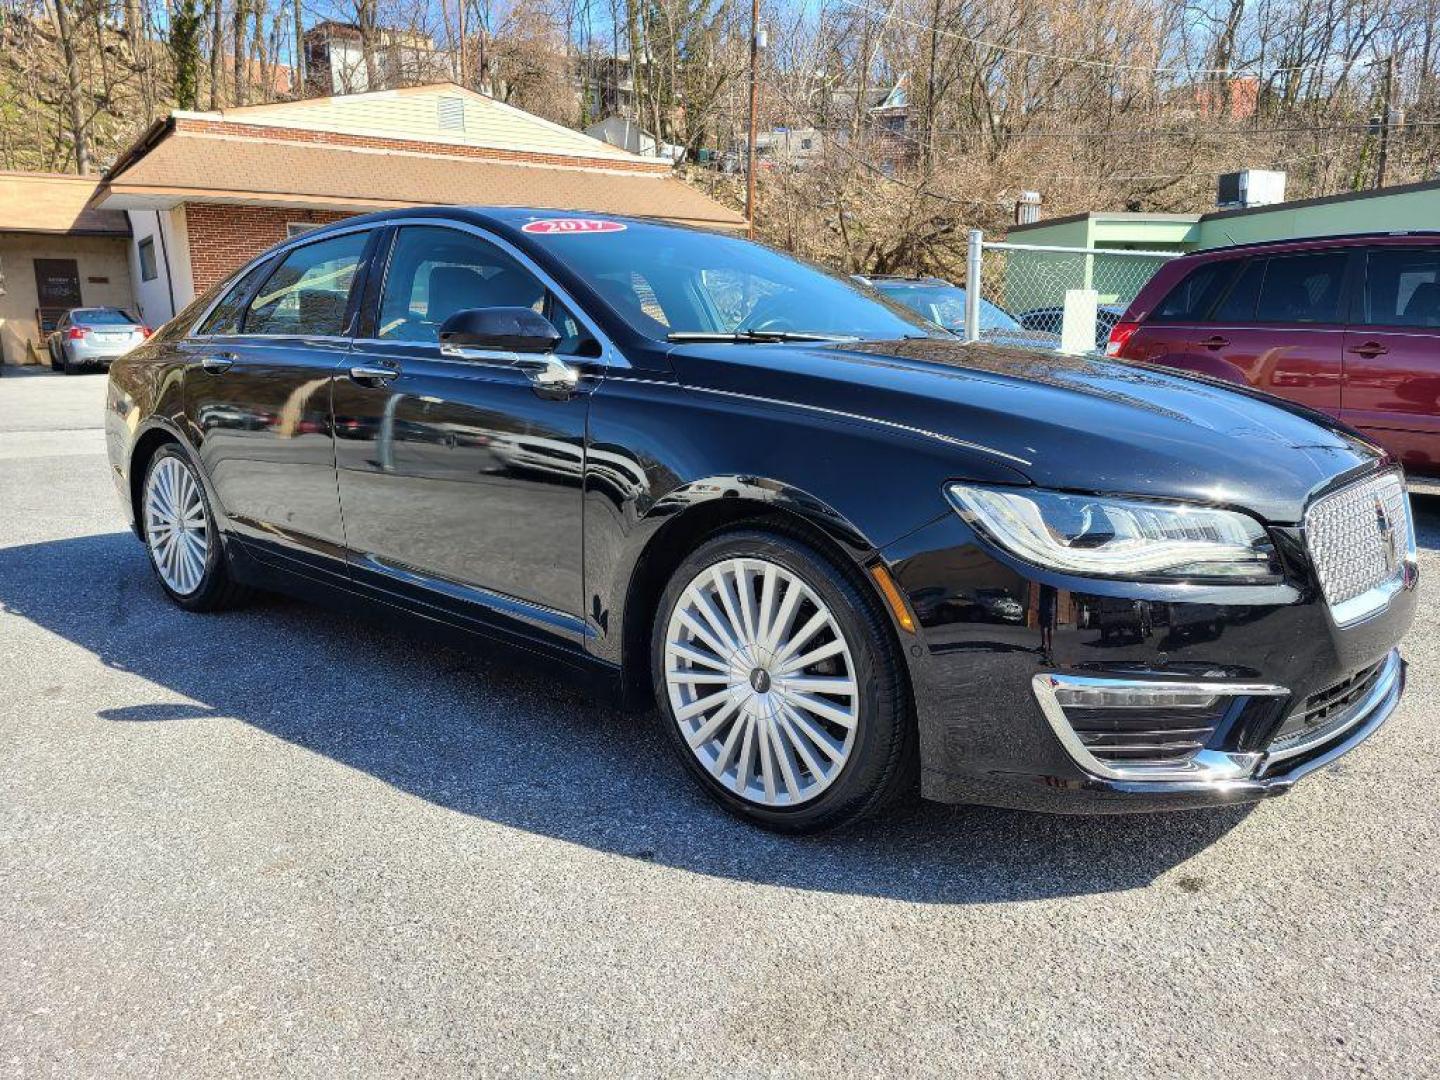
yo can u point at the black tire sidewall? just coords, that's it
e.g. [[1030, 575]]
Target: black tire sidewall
[[216, 578], [882, 735]]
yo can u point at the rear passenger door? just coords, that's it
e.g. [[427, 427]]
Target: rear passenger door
[[1392, 355], [257, 393], [1281, 327]]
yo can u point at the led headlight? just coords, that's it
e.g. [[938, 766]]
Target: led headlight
[[1115, 537]]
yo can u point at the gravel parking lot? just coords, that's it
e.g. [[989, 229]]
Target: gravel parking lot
[[280, 841]]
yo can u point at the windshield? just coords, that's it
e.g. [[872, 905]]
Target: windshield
[[102, 316], [672, 283], [945, 304]]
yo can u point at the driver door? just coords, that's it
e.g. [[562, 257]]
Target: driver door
[[460, 479]]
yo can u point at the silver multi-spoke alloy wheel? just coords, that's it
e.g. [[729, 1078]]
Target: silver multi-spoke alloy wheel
[[177, 527], [761, 681]]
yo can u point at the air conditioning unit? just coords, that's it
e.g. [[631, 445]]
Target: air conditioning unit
[[1250, 187]]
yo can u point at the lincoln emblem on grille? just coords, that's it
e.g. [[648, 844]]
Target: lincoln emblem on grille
[[1386, 528]]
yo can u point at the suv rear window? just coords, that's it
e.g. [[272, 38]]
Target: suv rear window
[[1197, 292], [1303, 288]]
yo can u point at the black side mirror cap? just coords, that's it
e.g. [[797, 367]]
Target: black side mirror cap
[[504, 329]]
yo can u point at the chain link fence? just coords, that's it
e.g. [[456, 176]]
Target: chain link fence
[[1025, 290]]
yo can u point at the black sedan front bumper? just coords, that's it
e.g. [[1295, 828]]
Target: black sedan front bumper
[[1293, 691]]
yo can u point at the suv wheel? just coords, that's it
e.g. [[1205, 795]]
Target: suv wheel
[[180, 535], [779, 685]]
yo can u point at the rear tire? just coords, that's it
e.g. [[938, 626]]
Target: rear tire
[[790, 744], [178, 526]]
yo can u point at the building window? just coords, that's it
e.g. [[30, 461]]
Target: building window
[[148, 270], [295, 228]]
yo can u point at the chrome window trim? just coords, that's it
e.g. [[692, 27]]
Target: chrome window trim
[[1385, 687], [1205, 765], [285, 246], [609, 357]]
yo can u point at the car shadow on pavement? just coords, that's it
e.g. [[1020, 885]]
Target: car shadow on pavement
[[510, 746]]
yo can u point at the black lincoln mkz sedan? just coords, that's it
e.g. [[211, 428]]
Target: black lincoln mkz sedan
[[847, 553]]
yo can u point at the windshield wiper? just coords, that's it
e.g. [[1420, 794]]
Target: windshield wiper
[[757, 336]]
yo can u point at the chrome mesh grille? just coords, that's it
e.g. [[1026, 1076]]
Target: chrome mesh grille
[[1358, 538]]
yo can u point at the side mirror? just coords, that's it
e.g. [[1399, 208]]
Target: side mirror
[[503, 329]]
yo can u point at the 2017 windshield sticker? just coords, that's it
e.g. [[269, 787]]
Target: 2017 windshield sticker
[[553, 226]]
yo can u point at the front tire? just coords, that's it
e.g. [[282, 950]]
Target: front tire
[[181, 538], [780, 686]]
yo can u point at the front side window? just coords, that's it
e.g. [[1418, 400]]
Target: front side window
[[665, 280], [1402, 287], [1302, 288], [308, 293], [435, 272]]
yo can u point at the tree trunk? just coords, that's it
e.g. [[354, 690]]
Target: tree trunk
[[217, 48], [302, 73], [241, 60], [365, 17], [73, 111], [261, 51]]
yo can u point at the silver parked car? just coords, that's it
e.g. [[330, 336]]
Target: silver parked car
[[94, 336]]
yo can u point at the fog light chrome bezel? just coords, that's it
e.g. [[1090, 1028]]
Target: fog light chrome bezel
[[1204, 765]]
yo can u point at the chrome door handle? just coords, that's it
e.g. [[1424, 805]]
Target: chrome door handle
[[1216, 342], [373, 374], [216, 363]]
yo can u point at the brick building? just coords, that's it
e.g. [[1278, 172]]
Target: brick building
[[205, 192]]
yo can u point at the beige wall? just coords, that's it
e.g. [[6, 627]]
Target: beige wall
[[95, 256]]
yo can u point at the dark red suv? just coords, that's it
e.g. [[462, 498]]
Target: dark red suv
[[1348, 325]]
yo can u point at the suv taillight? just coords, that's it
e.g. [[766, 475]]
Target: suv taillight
[[77, 332], [145, 331], [1120, 337]]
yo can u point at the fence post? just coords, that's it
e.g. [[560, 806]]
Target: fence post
[[973, 268]]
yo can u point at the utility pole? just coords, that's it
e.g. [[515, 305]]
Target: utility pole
[[460, 16], [1385, 120], [754, 109]]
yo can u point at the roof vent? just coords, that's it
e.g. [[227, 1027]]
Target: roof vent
[[450, 113]]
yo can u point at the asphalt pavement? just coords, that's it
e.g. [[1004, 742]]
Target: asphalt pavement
[[278, 841]]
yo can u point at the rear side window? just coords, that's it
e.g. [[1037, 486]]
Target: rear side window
[[1402, 287], [1239, 302], [1197, 292], [1303, 288], [308, 293], [225, 319]]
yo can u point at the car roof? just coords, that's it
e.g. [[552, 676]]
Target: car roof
[[1398, 236]]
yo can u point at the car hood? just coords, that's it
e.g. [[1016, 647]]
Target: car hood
[[1074, 422]]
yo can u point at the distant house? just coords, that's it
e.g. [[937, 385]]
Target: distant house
[[335, 59], [779, 148], [206, 192], [884, 107], [628, 135], [58, 250]]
